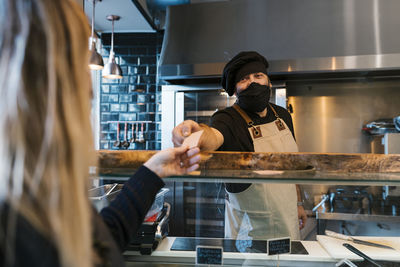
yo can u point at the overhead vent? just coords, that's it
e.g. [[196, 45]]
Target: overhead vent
[[297, 37]]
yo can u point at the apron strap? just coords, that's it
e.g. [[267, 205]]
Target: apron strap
[[250, 123], [273, 110], [278, 121], [243, 114]]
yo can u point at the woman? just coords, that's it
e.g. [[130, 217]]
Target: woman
[[46, 146]]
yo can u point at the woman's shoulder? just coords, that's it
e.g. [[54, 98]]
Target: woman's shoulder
[[29, 243]]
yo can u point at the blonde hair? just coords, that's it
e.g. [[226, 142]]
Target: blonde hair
[[46, 144]]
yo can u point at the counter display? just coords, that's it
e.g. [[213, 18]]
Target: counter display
[[251, 167], [360, 192]]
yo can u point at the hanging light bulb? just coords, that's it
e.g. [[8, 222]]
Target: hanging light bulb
[[96, 61], [112, 70]]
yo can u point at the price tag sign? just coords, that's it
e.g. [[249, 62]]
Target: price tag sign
[[278, 246], [209, 255]]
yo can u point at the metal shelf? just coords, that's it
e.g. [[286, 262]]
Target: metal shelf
[[357, 217], [128, 121]]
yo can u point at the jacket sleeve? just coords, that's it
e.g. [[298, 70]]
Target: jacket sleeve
[[126, 213]]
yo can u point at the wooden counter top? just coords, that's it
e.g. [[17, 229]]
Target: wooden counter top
[[113, 161]]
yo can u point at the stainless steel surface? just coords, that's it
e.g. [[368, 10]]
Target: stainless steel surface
[[391, 143], [296, 36], [154, 10], [357, 217], [321, 203], [201, 113], [158, 234], [329, 116], [133, 20], [317, 178], [111, 189], [339, 65]]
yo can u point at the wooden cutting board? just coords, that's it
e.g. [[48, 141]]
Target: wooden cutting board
[[335, 248]]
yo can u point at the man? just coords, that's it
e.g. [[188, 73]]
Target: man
[[255, 211]]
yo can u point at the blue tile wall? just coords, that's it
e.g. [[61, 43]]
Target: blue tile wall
[[137, 96]]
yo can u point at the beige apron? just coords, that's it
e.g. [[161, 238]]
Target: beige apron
[[263, 210]]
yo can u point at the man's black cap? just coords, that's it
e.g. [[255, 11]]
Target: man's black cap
[[231, 68]]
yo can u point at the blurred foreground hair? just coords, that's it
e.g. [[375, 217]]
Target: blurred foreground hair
[[46, 144]]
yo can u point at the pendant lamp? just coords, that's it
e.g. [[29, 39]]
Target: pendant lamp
[[96, 61], [112, 70]]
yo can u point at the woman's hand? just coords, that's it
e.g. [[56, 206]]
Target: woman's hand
[[172, 161]]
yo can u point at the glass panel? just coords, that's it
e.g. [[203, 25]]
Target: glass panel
[[261, 207]]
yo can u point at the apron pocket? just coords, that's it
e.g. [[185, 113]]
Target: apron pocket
[[245, 225]]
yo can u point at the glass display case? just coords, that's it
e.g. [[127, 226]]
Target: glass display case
[[352, 194]]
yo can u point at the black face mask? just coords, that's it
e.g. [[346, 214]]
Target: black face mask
[[255, 98]]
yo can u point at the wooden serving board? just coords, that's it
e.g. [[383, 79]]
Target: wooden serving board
[[335, 248]]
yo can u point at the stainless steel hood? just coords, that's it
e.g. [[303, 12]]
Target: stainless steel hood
[[296, 36]]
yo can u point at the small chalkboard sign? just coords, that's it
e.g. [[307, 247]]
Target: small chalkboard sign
[[278, 246], [209, 255]]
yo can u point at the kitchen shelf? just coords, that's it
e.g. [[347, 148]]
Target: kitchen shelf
[[356, 217], [201, 113], [121, 122]]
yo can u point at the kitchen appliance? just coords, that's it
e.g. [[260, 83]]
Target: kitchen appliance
[[362, 200], [350, 199], [396, 121], [102, 196], [151, 232], [156, 222], [381, 127]]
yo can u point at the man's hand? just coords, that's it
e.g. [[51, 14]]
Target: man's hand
[[183, 130], [302, 216], [173, 161]]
